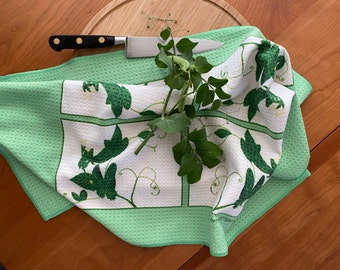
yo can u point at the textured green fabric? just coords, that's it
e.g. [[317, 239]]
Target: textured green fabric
[[30, 104]]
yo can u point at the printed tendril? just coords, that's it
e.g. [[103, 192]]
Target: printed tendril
[[218, 178]]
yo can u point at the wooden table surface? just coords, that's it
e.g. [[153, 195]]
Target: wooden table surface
[[301, 232]]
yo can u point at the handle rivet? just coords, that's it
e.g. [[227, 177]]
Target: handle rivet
[[79, 40], [101, 39], [56, 41]]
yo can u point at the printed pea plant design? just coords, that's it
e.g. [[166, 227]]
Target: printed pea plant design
[[105, 185], [267, 61]]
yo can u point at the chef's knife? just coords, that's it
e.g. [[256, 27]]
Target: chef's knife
[[134, 46]]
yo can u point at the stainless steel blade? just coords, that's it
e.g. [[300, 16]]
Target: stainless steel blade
[[147, 46]]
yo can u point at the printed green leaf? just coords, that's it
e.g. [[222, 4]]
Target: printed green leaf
[[266, 59], [252, 99], [258, 185], [280, 62], [113, 147], [148, 113], [86, 157], [87, 86], [174, 123], [252, 152], [87, 181], [222, 133], [144, 134], [118, 97], [271, 98], [191, 167], [255, 96], [247, 189], [81, 197], [109, 187]]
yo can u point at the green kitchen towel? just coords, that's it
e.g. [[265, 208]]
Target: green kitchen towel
[[69, 133]]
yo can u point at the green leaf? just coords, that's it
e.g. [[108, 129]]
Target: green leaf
[[228, 102], [218, 83], [148, 113], [208, 97], [167, 46], [201, 92], [252, 99], [144, 134], [87, 181], [191, 167], [113, 147], [247, 189], [118, 97], [110, 182], [174, 123], [196, 79], [258, 185], [216, 105], [252, 152], [280, 62], [221, 94], [201, 64], [272, 98], [209, 153], [87, 86], [190, 111], [86, 157], [198, 135], [185, 45], [255, 96], [165, 34], [266, 59], [222, 133], [81, 197], [180, 149]]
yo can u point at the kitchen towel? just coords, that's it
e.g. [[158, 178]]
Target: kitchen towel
[[69, 133]]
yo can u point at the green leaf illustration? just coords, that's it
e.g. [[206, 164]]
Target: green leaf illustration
[[222, 133], [118, 97], [81, 197], [249, 190], [252, 152], [86, 157], [266, 60], [95, 182], [255, 96], [87, 86], [113, 147]]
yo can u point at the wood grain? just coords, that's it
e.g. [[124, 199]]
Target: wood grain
[[301, 232]]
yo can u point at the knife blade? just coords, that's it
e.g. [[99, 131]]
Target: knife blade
[[135, 46]]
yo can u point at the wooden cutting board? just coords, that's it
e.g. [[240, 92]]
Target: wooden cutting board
[[148, 17]]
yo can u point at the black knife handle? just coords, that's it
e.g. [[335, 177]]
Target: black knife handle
[[60, 42]]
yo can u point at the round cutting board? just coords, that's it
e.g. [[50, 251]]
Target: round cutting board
[[148, 17]]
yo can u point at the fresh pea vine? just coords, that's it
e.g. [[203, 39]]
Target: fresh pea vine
[[185, 75]]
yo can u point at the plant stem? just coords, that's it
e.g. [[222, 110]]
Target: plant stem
[[166, 102], [140, 147]]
